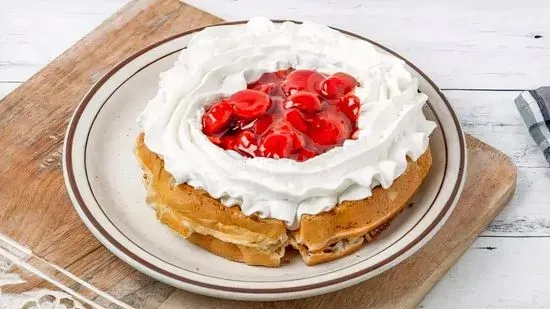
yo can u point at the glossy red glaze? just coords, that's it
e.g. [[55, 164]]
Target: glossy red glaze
[[295, 114]]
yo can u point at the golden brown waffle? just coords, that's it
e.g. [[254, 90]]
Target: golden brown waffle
[[227, 232], [330, 235]]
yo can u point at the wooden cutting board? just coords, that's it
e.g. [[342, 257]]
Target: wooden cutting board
[[35, 209]]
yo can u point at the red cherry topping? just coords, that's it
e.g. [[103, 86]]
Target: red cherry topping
[[296, 119], [329, 128], [349, 105], [246, 143], [297, 137], [305, 101], [217, 118], [249, 104], [297, 141], [338, 85], [265, 88], [241, 124], [302, 80], [215, 140], [228, 142], [305, 154], [262, 124], [276, 145], [295, 114]]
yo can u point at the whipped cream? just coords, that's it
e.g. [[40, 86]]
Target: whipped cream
[[220, 61]]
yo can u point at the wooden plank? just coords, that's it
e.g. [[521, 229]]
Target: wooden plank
[[35, 209], [35, 32], [475, 46], [464, 44], [496, 273], [492, 116], [527, 215]]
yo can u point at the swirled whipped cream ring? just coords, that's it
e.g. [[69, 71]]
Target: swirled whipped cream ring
[[282, 134]]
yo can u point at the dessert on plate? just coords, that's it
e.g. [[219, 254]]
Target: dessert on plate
[[273, 136]]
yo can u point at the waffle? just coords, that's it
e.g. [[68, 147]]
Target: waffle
[[227, 232], [333, 234]]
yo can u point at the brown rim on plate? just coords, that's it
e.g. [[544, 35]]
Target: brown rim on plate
[[82, 205]]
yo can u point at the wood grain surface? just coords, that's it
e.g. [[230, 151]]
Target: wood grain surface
[[493, 44], [36, 210]]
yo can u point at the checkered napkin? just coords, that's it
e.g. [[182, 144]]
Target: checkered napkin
[[534, 107]]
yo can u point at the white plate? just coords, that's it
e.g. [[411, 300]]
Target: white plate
[[104, 182]]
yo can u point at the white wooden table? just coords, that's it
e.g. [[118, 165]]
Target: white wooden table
[[482, 53]]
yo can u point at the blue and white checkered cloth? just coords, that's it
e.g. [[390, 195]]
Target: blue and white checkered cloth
[[534, 107]]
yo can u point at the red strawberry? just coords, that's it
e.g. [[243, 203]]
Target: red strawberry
[[217, 118], [302, 80], [329, 128], [276, 145], [296, 119], [350, 105], [305, 154], [305, 101], [337, 85], [250, 104]]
